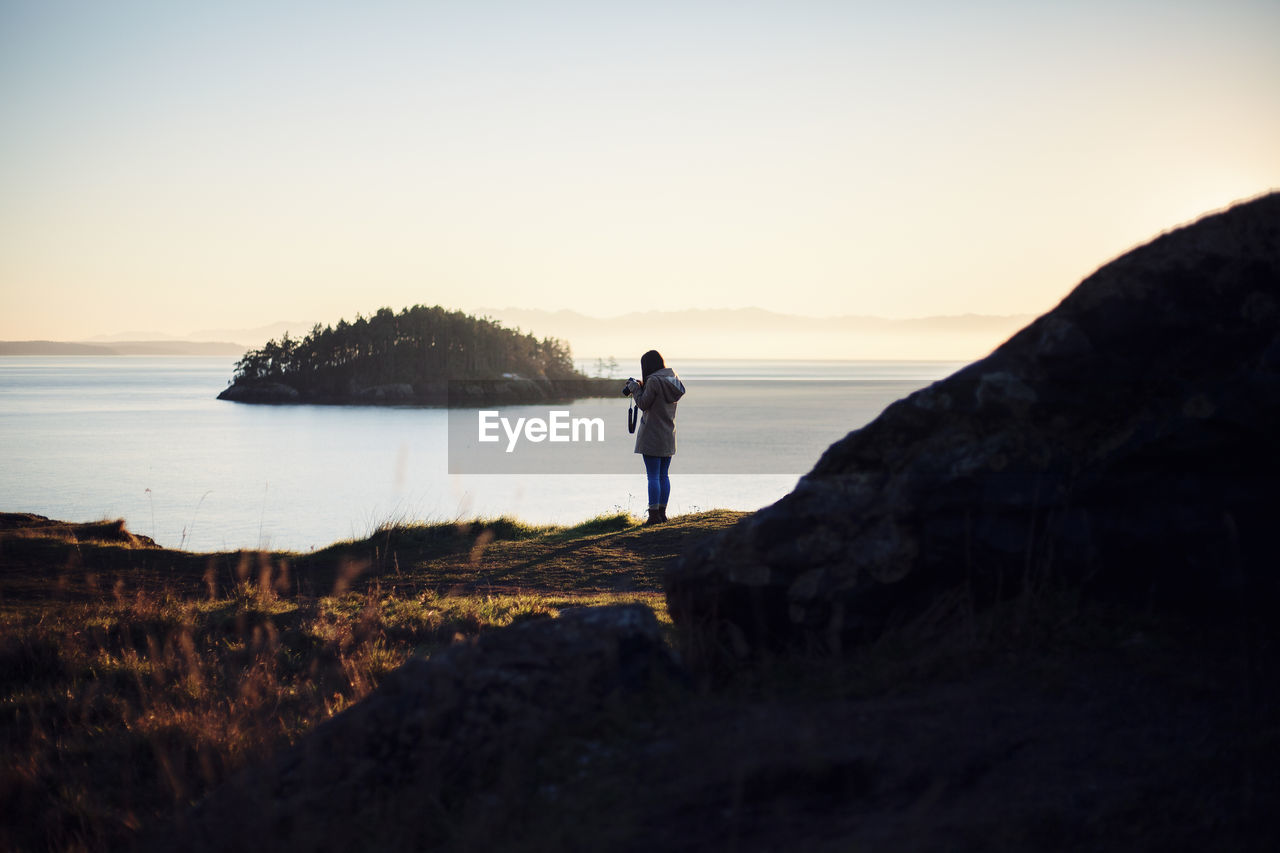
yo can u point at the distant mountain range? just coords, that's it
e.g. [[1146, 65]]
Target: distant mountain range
[[243, 338], [702, 333], [165, 347], [757, 333], [232, 342]]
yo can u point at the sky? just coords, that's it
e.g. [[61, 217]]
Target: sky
[[173, 167]]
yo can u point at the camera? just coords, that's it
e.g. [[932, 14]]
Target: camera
[[631, 387]]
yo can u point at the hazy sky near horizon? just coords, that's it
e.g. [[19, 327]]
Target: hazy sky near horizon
[[172, 167]]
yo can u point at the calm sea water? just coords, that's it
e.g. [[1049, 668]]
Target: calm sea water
[[144, 439]]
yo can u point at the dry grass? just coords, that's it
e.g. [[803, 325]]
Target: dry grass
[[28, 526], [133, 679]]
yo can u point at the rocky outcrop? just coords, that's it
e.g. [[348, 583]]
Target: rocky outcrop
[[396, 392], [515, 390], [260, 392], [1125, 442], [510, 390], [438, 736], [30, 526]]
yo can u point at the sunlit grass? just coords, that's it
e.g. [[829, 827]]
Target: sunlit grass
[[176, 694], [126, 695]]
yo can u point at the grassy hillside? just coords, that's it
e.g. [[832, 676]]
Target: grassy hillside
[[134, 678]]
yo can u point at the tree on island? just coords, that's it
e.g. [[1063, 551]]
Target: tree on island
[[606, 368], [420, 344]]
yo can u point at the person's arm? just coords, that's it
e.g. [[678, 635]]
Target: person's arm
[[646, 398]]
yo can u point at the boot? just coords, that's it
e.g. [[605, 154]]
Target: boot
[[654, 516], [662, 512]]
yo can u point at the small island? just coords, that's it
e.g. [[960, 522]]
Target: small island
[[428, 356]]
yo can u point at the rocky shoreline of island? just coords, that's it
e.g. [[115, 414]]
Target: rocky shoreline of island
[[459, 393]]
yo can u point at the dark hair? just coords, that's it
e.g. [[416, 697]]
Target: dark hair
[[649, 362]]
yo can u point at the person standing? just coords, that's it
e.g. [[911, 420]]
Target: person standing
[[656, 395]]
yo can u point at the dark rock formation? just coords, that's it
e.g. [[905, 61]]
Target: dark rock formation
[[512, 390], [516, 390], [398, 392], [260, 392], [437, 737], [1125, 442]]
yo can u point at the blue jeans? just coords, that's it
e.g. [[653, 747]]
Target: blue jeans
[[655, 468]]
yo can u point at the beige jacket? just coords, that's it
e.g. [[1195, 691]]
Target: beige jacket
[[656, 435]]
